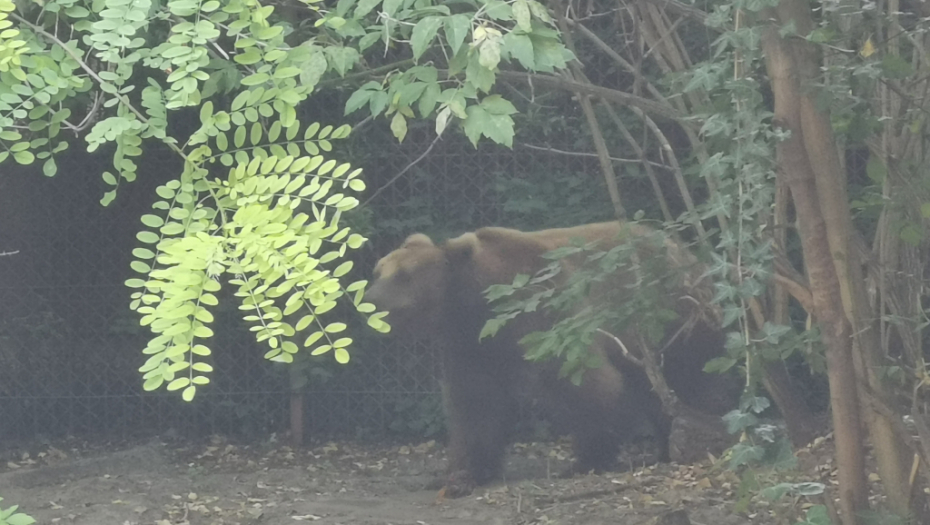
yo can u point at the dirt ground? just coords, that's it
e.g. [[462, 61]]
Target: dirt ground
[[167, 481]]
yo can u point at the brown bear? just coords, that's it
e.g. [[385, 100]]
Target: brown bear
[[437, 293]]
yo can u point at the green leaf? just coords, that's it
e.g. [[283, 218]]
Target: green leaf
[[498, 10], [410, 93], [19, 519], [489, 54], [498, 128], [521, 12], [520, 47], [876, 170], [548, 53], [390, 6], [429, 98], [375, 321], [189, 393], [357, 100], [286, 72], [143, 253], [240, 101], [539, 11], [202, 367], [248, 57], [153, 383], [254, 79], [399, 127], [423, 34], [719, 365], [313, 69], [320, 350], [365, 7], [895, 66], [497, 105], [304, 323], [478, 75], [334, 328], [341, 59], [76, 11], [925, 210], [152, 221], [368, 40], [203, 332], [911, 234], [178, 383], [342, 356], [147, 237], [456, 28], [24, 157]]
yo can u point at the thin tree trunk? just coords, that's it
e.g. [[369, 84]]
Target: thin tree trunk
[[796, 169], [890, 453], [800, 420]]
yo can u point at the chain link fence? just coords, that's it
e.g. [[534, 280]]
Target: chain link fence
[[70, 348]]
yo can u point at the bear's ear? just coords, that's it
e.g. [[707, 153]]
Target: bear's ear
[[461, 248], [417, 240]]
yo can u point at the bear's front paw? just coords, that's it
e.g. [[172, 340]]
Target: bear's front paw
[[581, 468], [458, 484]]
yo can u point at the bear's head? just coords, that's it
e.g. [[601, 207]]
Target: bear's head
[[428, 289], [410, 283]]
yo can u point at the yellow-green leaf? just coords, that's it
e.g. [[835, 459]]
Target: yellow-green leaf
[[189, 393]]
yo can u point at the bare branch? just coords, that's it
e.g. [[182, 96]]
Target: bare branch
[[603, 154], [682, 9], [395, 178], [647, 164], [613, 95], [623, 349], [593, 155]]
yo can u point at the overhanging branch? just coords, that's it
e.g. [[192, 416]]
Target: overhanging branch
[[681, 9], [611, 95]]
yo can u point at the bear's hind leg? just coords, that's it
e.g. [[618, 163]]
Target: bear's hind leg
[[480, 415], [594, 414]]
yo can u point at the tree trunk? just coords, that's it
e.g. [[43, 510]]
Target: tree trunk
[[796, 169], [799, 418], [891, 453]]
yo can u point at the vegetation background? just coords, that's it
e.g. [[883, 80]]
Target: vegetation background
[[785, 140]]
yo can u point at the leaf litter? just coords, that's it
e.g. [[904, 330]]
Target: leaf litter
[[176, 482]]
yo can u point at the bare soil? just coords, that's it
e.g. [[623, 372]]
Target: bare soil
[[165, 482]]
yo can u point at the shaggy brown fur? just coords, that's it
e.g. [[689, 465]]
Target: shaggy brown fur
[[436, 292]]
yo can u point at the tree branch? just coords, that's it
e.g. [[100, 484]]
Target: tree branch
[[647, 165], [612, 95], [365, 75], [594, 155], [93, 74], [683, 10], [603, 154]]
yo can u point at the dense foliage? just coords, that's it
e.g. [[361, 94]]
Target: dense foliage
[[789, 145]]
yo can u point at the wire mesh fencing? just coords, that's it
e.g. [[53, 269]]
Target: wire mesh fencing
[[70, 348]]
